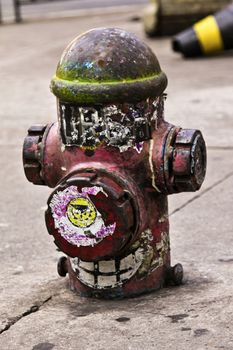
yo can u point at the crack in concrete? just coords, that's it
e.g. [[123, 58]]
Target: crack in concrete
[[214, 300], [220, 148], [208, 189], [33, 308]]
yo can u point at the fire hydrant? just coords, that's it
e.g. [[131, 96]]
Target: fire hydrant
[[112, 159]]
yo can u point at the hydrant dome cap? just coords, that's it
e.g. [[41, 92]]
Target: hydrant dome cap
[[107, 65]]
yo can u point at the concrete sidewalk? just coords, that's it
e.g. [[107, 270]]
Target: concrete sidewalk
[[37, 309]]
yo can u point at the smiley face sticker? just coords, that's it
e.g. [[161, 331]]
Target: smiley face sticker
[[81, 212], [77, 219]]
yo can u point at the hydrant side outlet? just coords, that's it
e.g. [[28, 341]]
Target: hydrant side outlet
[[112, 160]]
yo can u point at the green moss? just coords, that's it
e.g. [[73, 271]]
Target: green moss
[[109, 91], [71, 96], [94, 82]]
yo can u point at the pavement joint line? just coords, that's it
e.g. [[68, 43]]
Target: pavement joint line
[[213, 300], [208, 189], [33, 309]]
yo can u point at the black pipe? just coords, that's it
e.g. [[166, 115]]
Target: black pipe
[[17, 9], [0, 13]]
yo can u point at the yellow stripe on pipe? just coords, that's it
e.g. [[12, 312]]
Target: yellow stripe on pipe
[[209, 35]]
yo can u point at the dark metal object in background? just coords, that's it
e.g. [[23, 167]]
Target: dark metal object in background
[[0, 12], [112, 159], [17, 9]]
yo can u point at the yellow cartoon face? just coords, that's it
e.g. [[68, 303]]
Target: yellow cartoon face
[[81, 212]]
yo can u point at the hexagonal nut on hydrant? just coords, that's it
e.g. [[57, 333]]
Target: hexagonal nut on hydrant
[[112, 160]]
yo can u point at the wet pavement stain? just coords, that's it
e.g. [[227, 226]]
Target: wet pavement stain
[[178, 317], [43, 346], [185, 329], [122, 319], [230, 260], [200, 331]]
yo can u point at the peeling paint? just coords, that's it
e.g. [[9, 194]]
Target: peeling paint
[[123, 126], [163, 218], [151, 165]]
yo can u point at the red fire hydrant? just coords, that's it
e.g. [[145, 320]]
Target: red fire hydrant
[[113, 160]]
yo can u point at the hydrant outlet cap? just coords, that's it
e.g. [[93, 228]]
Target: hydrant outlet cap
[[107, 65]]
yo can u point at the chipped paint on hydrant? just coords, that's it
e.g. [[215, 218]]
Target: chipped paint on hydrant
[[112, 159]]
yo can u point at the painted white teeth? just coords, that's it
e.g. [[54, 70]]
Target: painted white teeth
[[107, 282], [107, 266], [86, 277], [104, 274], [136, 262], [113, 273], [85, 265], [127, 262]]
